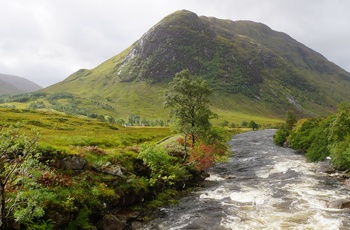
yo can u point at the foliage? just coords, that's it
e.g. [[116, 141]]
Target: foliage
[[224, 123], [253, 125], [339, 137], [329, 136], [118, 171], [319, 147], [209, 149], [281, 135], [284, 131], [164, 168], [189, 99], [340, 154], [232, 125], [301, 138], [290, 120], [203, 156], [22, 197]]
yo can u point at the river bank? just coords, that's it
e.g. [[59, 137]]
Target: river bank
[[263, 186]]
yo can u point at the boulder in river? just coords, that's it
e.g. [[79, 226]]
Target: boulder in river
[[339, 204], [325, 167]]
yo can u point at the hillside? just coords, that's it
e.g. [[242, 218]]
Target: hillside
[[11, 85], [252, 69]]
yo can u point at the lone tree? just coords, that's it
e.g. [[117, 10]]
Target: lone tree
[[253, 125], [188, 97]]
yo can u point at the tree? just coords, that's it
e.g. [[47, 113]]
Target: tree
[[232, 125], [21, 196], [224, 123], [244, 124], [253, 125], [284, 131], [290, 120], [189, 99]]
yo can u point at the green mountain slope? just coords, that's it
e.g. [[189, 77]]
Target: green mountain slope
[[252, 69]]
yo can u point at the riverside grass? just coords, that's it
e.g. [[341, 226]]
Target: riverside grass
[[64, 131]]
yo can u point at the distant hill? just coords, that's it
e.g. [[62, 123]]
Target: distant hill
[[252, 69], [11, 85]]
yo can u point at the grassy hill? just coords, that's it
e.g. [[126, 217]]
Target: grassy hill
[[254, 71]]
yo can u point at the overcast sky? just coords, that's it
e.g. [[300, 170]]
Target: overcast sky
[[47, 40]]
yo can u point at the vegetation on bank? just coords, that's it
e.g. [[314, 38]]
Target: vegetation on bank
[[320, 138], [66, 172], [89, 169]]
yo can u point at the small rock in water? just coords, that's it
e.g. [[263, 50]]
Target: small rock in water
[[325, 167], [339, 204]]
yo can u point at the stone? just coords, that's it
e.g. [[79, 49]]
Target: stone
[[339, 204], [111, 222], [74, 163], [324, 167], [347, 182], [113, 170]]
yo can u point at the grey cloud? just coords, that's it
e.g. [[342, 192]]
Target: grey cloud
[[47, 40]]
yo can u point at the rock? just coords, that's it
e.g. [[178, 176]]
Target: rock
[[347, 182], [339, 204], [74, 163], [324, 167], [113, 170], [111, 222], [60, 219]]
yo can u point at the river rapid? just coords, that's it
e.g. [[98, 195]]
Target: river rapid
[[263, 186]]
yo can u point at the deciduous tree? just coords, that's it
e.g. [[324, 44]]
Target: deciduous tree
[[188, 97]]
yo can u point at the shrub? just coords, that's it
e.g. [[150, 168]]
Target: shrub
[[340, 154], [281, 136], [203, 156], [302, 137], [164, 168]]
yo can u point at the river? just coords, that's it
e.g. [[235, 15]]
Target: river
[[263, 186]]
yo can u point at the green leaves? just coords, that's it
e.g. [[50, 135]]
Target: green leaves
[[189, 99], [22, 196], [163, 167], [329, 136]]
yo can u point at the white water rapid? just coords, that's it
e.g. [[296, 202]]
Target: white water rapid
[[263, 186]]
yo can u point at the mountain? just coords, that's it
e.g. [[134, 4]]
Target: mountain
[[11, 85], [252, 69]]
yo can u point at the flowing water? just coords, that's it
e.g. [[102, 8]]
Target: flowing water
[[263, 186]]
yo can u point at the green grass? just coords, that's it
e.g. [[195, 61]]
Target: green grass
[[60, 130]]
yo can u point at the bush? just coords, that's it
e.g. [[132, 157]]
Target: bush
[[164, 168], [203, 156], [281, 136], [340, 154]]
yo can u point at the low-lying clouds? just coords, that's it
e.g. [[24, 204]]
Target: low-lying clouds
[[47, 40]]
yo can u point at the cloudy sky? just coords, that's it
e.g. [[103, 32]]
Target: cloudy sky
[[47, 40]]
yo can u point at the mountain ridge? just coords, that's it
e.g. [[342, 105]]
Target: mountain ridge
[[241, 60], [10, 84]]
